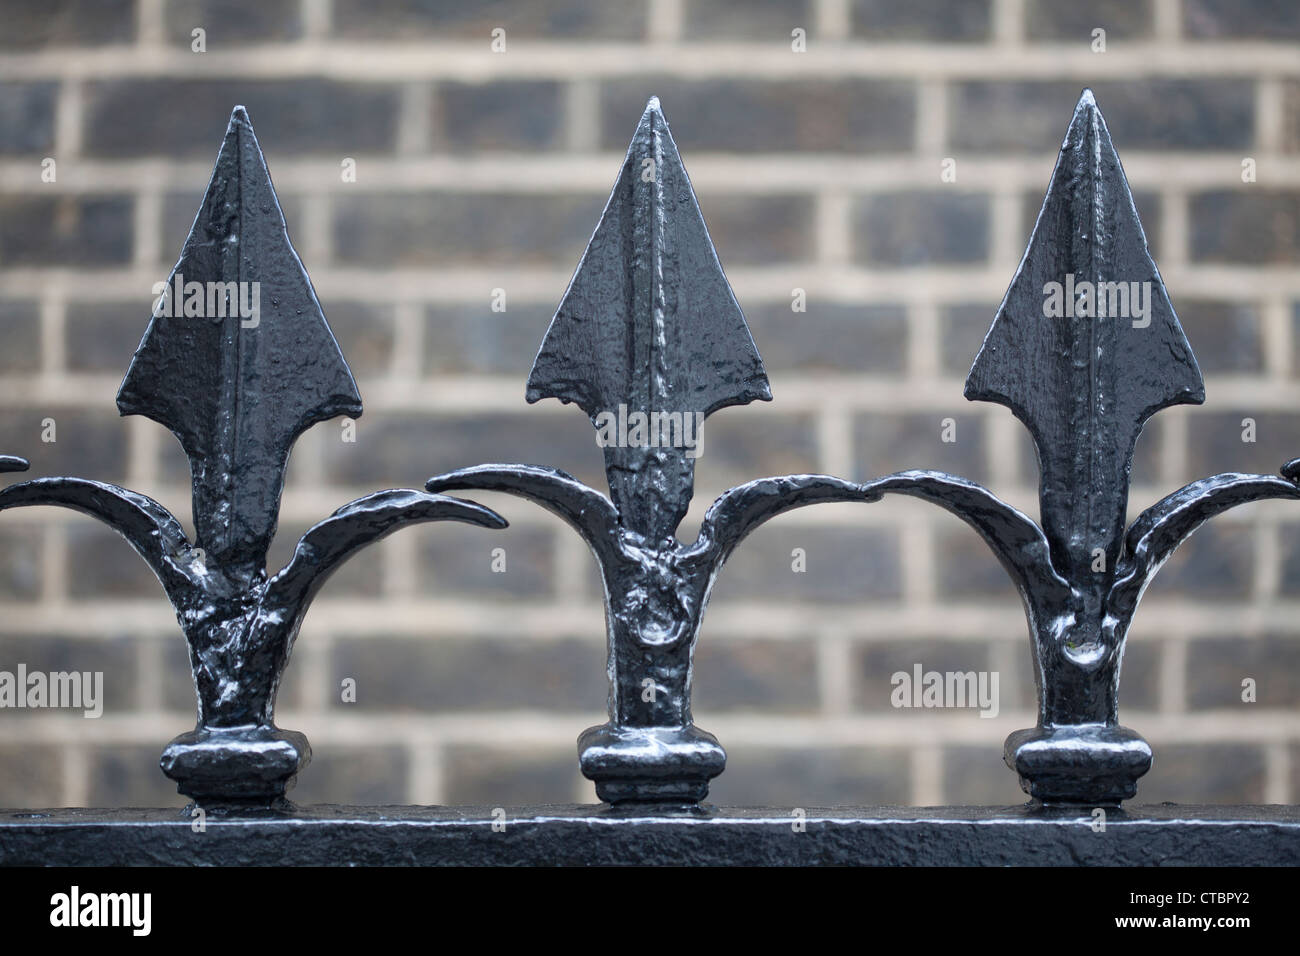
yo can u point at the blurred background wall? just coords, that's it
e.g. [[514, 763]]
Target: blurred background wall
[[817, 170]]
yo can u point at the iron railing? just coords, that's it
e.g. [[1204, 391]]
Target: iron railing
[[238, 360]]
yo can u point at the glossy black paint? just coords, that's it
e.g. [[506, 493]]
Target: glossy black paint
[[237, 393], [649, 323], [1084, 386]]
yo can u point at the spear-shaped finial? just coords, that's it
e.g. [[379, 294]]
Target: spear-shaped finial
[[238, 360], [649, 326], [1086, 346]]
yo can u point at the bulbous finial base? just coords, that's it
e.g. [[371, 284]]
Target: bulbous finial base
[[1078, 765], [248, 766], [650, 764]]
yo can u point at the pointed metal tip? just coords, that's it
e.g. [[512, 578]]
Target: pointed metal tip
[[240, 115], [652, 106], [1086, 100]]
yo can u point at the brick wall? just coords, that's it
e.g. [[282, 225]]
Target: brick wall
[[817, 170]]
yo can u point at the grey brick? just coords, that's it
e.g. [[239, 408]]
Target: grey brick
[[1277, 20], [504, 115], [128, 775], [21, 321], [1139, 682], [1258, 227], [406, 449], [360, 576], [839, 776], [729, 21], [885, 443], [32, 24], [365, 776], [1204, 773], [1216, 668], [267, 21], [474, 339], [921, 229], [563, 20], [32, 778], [102, 565], [829, 337], [497, 777], [1224, 335], [1064, 20], [91, 444], [457, 560], [748, 442], [718, 115], [1156, 114], [978, 776], [1217, 562], [922, 20], [1214, 441], [401, 675], [761, 676], [20, 559], [482, 230], [844, 565], [102, 336], [966, 568], [27, 119], [754, 230], [114, 657], [71, 231], [962, 328], [366, 334], [187, 118], [875, 663]]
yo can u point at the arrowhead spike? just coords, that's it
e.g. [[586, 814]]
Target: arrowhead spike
[[238, 372], [649, 323], [1084, 384]]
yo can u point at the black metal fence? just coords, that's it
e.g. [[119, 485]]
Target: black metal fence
[[648, 340]]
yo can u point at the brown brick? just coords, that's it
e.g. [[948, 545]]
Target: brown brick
[[187, 117], [922, 20], [402, 675], [717, 115], [921, 229], [70, 231], [1258, 227]]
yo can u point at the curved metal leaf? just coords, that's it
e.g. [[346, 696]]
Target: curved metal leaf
[[147, 526]]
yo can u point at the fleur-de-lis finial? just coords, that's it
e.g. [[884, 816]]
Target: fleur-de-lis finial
[[649, 327], [1084, 349], [238, 361]]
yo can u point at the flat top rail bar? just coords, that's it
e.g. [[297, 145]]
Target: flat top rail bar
[[1157, 835]]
